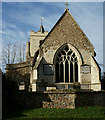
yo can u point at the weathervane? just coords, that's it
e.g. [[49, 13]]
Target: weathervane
[[66, 4], [41, 20]]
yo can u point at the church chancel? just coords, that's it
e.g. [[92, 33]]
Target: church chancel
[[61, 57]]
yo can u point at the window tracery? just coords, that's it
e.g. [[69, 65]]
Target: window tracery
[[66, 66]]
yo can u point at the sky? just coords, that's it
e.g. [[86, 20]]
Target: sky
[[19, 18], [104, 35]]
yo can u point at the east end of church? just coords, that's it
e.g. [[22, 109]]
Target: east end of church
[[57, 59]]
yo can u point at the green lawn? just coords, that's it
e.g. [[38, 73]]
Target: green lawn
[[81, 112]]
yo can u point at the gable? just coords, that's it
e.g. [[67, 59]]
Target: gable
[[66, 30]]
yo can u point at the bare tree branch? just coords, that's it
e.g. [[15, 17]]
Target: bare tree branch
[[13, 54]]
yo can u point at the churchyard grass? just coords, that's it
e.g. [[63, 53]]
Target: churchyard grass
[[94, 112]]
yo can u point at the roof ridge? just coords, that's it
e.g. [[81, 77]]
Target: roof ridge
[[66, 11]]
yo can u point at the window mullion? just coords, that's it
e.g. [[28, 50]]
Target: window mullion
[[69, 70], [73, 71], [64, 70], [59, 72]]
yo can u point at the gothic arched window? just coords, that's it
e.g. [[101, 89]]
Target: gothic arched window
[[66, 66]]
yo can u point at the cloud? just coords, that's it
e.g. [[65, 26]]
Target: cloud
[[12, 34], [31, 15], [21, 34], [23, 17]]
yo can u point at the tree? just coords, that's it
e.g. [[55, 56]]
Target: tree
[[20, 52], [6, 55], [13, 54]]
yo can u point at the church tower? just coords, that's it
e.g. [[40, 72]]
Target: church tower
[[35, 40]]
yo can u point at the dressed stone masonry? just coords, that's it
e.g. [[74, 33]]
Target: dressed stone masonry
[[58, 59]]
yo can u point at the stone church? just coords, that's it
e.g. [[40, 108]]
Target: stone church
[[57, 59]]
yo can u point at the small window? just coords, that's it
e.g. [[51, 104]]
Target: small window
[[22, 85]]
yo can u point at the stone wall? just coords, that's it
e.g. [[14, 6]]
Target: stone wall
[[67, 31], [58, 99], [68, 99], [19, 72], [90, 99]]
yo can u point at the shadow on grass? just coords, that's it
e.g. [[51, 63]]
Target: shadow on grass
[[13, 115]]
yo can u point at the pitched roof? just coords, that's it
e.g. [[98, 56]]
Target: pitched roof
[[67, 25], [54, 26]]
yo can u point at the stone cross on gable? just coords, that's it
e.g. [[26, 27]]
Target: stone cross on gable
[[66, 5]]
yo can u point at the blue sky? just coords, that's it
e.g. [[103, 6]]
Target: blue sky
[[19, 18], [104, 34]]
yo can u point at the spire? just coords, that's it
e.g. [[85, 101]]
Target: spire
[[41, 27]]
